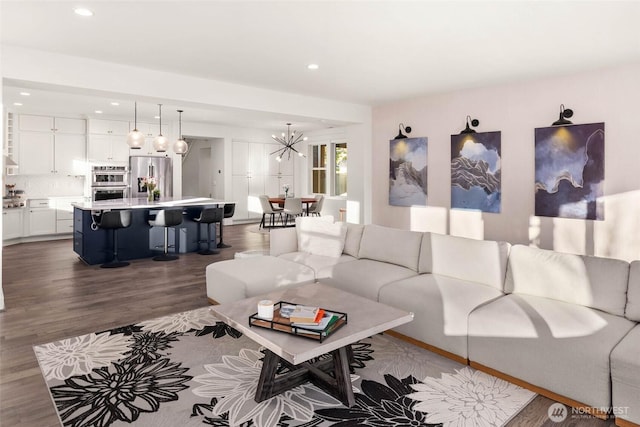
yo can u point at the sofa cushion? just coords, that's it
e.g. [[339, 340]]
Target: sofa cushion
[[282, 241], [425, 262], [365, 277], [555, 345], [633, 293], [352, 241], [391, 245], [441, 306], [321, 265], [625, 376], [481, 261], [318, 236], [584, 280], [237, 279]]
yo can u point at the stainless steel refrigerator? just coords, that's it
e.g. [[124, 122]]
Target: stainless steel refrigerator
[[160, 168]]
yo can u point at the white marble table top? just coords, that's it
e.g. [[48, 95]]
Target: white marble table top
[[365, 318], [143, 203]]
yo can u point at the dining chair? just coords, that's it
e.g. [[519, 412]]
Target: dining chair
[[316, 207], [292, 208], [268, 209]]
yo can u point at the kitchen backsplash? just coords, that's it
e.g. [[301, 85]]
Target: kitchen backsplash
[[41, 186]]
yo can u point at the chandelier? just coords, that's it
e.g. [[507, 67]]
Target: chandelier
[[288, 142]]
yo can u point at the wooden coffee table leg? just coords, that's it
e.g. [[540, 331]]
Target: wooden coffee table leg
[[267, 376], [342, 375], [338, 386]]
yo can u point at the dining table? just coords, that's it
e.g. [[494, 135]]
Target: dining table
[[307, 201]]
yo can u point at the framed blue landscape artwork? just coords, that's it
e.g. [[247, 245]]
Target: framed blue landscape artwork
[[570, 171], [408, 172], [476, 181]]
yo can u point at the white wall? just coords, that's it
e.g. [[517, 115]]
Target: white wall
[[608, 95]]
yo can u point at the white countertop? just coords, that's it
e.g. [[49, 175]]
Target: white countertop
[[143, 203]]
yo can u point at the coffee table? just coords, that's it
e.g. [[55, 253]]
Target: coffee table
[[365, 318]]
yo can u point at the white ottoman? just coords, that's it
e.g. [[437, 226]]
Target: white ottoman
[[237, 279]]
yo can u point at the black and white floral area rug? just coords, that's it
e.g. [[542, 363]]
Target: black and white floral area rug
[[190, 369]]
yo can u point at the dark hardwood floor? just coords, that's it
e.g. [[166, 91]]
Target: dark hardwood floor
[[50, 295]]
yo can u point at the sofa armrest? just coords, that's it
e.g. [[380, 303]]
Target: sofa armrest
[[282, 241]]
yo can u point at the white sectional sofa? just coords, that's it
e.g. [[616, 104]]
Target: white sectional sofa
[[563, 325]]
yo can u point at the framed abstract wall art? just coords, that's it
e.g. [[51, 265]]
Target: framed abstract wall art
[[476, 179], [408, 172], [570, 171]]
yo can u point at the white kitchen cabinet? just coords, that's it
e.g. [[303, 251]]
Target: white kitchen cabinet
[[108, 127], [70, 154], [35, 123], [64, 214], [249, 165], [108, 149], [36, 152], [41, 216], [151, 130], [51, 145], [108, 141], [12, 223]]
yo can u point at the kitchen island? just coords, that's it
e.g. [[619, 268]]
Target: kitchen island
[[139, 240]]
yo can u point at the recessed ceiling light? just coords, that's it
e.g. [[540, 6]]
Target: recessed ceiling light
[[313, 66], [98, 111], [18, 104], [83, 11], [25, 94], [115, 104], [156, 117]]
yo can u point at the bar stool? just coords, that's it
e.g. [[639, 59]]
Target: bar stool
[[229, 210], [114, 220], [166, 218], [209, 216]]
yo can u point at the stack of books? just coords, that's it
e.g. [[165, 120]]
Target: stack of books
[[309, 317]]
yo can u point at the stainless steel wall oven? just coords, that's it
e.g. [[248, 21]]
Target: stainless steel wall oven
[[109, 182], [102, 176]]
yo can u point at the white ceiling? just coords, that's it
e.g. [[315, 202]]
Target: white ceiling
[[368, 52]]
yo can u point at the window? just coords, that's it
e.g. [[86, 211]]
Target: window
[[319, 169], [324, 159], [340, 175]]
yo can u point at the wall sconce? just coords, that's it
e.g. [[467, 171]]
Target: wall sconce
[[564, 115], [401, 135], [472, 122]]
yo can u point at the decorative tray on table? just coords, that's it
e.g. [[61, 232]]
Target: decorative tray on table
[[335, 320]]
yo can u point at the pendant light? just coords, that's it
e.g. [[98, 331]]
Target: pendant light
[[181, 146], [160, 143], [135, 139]]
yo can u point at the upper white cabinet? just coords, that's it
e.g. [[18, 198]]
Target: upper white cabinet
[[108, 127], [108, 141], [150, 130], [51, 145]]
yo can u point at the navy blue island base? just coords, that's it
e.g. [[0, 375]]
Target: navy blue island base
[[139, 240]]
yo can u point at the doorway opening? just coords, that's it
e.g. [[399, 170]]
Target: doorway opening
[[203, 167]]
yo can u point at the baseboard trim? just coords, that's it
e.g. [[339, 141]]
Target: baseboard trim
[[586, 409], [212, 301], [429, 347], [624, 423]]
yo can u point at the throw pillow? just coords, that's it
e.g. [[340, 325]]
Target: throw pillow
[[320, 237]]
